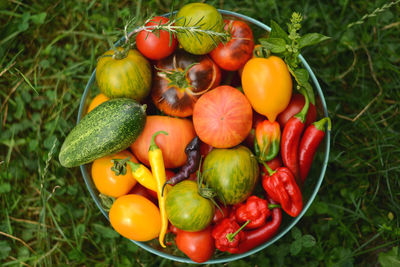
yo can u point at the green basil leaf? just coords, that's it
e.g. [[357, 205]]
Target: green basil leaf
[[301, 76], [311, 39], [278, 32], [276, 45]]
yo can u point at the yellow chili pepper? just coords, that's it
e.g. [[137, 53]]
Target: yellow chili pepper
[[143, 175], [140, 172], [157, 167]]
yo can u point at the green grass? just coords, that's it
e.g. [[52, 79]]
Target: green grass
[[47, 52]]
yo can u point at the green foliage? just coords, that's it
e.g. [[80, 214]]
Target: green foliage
[[47, 52]]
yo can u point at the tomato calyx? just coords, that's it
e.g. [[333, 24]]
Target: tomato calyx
[[119, 166], [206, 191], [261, 51], [178, 78]]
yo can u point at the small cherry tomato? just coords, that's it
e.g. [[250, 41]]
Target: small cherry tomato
[[139, 189], [218, 215], [97, 100], [238, 50], [105, 179], [198, 246], [156, 45], [135, 217], [294, 107], [274, 164]]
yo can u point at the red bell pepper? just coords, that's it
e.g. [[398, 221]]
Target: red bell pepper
[[281, 187], [256, 237], [310, 141], [254, 210], [290, 140], [228, 235], [268, 140]]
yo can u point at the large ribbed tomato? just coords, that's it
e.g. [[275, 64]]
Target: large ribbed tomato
[[222, 117], [180, 80], [233, 54], [268, 85]]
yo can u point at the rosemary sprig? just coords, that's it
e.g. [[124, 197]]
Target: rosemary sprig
[[194, 30]]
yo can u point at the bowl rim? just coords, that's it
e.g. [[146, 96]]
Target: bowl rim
[[232, 257]]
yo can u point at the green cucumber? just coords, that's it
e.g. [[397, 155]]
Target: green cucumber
[[109, 128]]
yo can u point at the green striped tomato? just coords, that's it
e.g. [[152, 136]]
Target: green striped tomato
[[206, 17], [186, 209], [232, 173], [126, 77]]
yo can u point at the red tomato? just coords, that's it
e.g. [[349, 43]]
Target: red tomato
[[153, 46], [198, 246], [180, 133], [205, 149], [222, 117], [274, 164], [218, 215], [294, 107], [249, 141], [177, 85], [139, 189], [238, 50]]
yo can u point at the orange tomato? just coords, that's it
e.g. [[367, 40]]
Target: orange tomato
[[97, 100], [105, 179], [268, 85], [180, 133], [135, 217]]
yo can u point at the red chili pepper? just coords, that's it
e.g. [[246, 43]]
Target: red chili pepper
[[254, 210], [268, 140], [281, 187], [260, 235], [228, 235], [291, 138], [310, 141]]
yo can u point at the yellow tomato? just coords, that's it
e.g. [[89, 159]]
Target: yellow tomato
[[135, 217], [97, 100], [105, 179], [268, 85]]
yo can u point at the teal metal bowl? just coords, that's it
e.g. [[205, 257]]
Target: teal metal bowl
[[311, 187]]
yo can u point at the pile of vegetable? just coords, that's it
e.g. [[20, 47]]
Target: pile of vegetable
[[202, 137]]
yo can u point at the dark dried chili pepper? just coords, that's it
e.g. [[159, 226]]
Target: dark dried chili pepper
[[256, 237], [291, 138], [309, 143], [193, 155], [281, 186]]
